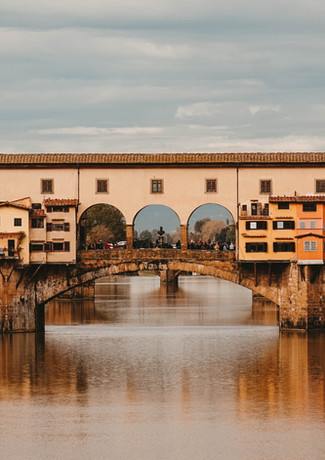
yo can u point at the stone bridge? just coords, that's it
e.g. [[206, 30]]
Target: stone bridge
[[297, 290]]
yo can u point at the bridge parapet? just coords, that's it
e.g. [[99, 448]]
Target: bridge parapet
[[154, 254]]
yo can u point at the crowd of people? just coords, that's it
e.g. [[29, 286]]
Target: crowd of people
[[147, 244]]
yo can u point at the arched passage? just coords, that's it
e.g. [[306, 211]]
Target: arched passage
[[101, 225], [211, 226], [156, 226]]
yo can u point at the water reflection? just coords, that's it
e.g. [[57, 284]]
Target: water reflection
[[141, 359]]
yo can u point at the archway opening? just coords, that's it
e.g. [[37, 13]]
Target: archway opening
[[156, 226], [102, 226], [211, 226]]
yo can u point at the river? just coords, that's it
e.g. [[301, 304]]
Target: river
[[153, 373]]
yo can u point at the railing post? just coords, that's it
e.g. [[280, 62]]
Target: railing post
[[129, 236], [184, 239]]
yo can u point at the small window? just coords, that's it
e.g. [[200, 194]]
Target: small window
[[17, 222], [256, 247], [283, 205], [244, 207], [320, 185], [254, 209], [302, 224], [211, 185], [266, 209], [36, 247], [284, 247], [310, 246], [36, 206], [37, 222], [283, 224], [47, 186], [259, 225], [266, 186], [312, 224], [309, 207], [102, 186], [58, 246], [156, 186]]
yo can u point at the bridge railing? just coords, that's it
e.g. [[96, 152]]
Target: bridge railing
[[144, 254]]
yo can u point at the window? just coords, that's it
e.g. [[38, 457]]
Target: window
[[256, 247], [266, 209], [47, 186], [57, 208], [266, 186], [36, 247], [310, 246], [244, 207], [156, 186], [63, 246], [284, 247], [211, 185], [17, 222], [102, 186], [37, 222], [283, 224], [57, 226], [283, 205], [302, 224], [312, 224], [309, 207], [36, 206], [259, 225], [320, 185], [254, 209]]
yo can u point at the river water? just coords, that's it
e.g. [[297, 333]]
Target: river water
[[152, 373]]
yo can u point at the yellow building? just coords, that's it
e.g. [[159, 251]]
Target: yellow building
[[266, 232]]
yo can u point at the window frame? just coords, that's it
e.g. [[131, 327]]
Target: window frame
[[284, 246], [260, 225], [44, 190], [208, 183], [312, 207], [319, 185], [99, 183], [18, 222], [312, 245], [262, 183], [260, 247], [158, 184]]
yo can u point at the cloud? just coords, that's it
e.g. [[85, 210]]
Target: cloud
[[198, 109], [95, 131], [254, 109]]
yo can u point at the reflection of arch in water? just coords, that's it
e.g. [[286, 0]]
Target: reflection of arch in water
[[151, 218], [104, 216], [208, 212]]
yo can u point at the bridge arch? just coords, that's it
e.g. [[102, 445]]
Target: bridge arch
[[156, 225], [101, 222], [210, 222]]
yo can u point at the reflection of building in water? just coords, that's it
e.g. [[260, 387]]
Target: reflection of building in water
[[285, 379], [29, 368], [264, 311]]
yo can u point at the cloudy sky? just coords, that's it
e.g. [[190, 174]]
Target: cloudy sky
[[162, 76]]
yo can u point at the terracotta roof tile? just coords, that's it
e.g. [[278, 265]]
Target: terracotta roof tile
[[84, 159], [60, 202], [298, 199], [37, 213]]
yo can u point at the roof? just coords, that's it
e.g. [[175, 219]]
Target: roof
[[60, 202], [298, 199], [13, 204], [88, 159], [38, 213]]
